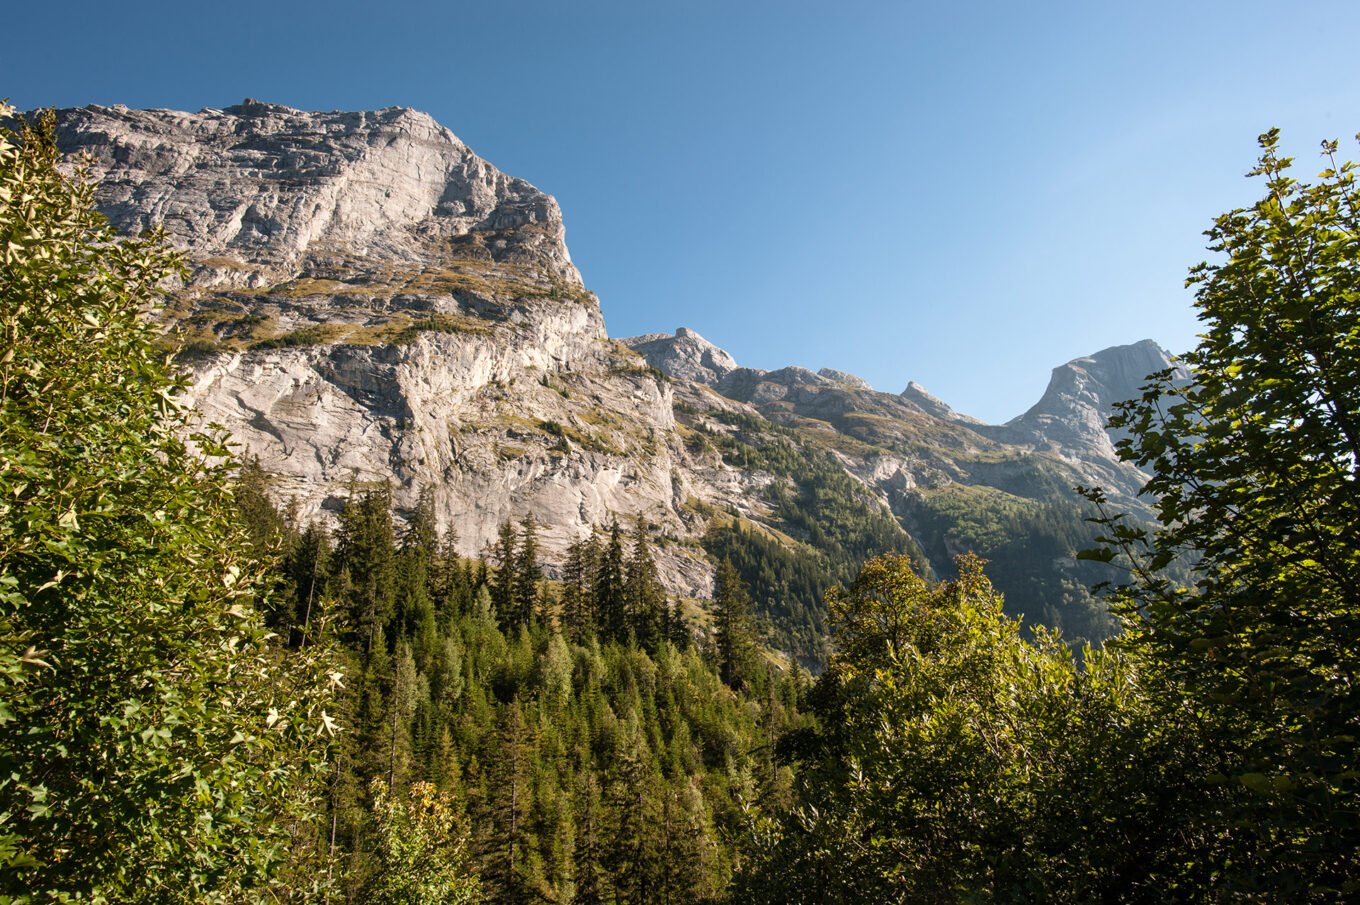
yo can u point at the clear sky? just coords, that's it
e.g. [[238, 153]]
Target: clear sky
[[962, 194]]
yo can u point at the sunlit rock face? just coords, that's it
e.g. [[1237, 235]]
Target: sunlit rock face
[[261, 192], [1069, 420], [371, 302], [684, 356], [367, 301]]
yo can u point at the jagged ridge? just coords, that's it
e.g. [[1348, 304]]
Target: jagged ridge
[[373, 302]]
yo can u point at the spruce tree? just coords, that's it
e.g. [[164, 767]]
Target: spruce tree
[[502, 583], [509, 808], [366, 549], [735, 634], [308, 567], [528, 574], [611, 605], [579, 574], [646, 599]]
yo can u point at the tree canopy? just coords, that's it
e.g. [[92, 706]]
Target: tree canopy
[[1254, 478], [156, 745]]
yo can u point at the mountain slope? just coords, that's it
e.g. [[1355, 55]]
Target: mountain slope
[[369, 301]]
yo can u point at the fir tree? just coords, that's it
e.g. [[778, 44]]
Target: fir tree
[[611, 606], [528, 574], [502, 584], [646, 599], [579, 575], [732, 621], [367, 551]]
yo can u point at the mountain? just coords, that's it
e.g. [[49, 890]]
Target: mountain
[[369, 301], [1068, 421]]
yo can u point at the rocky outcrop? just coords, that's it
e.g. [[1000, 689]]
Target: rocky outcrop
[[1069, 420], [918, 396], [844, 378], [684, 356], [260, 193], [371, 302]]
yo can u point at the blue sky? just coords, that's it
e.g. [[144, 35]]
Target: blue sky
[[961, 194]]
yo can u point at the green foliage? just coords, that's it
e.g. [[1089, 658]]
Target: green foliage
[[734, 635], [957, 761], [1256, 490], [588, 763], [156, 746], [439, 323], [1030, 549], [421, 848], [828, 514], [303, 336]]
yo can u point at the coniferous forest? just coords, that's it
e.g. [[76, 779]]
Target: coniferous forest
[[205, 698]]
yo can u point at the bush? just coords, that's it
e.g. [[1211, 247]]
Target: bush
[[156, 746]]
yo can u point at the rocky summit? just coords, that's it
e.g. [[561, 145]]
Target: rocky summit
[[369, 301]]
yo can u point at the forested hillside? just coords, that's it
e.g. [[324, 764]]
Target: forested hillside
[[208, 698], [583, 744], [436, 336]]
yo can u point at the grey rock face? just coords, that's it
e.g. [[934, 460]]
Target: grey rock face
[[684, 356], [918, 396], [262, 192], [850, 380], [1069, 420], [372, 302]]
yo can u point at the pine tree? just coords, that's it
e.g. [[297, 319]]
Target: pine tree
[[366, 549], [646, 599], [308, 566], [505, 554], [611, 606], [579, 575], [510, 803], [732, 622], [676, 628], [592, 878], [528, 574]]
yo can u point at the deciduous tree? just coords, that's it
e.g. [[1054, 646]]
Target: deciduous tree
[[156, 746]]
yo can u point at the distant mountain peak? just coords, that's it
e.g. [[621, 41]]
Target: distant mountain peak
[[929, 403], [845, 378], [1069, 420], [1098, 381], [685, 356]]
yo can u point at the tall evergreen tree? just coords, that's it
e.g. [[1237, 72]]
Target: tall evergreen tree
[[510, 803], [611, 604], [735, 633], [592, 878], [502, 583], [528, 574], [646, 599], [308, 565], [579, 574], [366, 549]]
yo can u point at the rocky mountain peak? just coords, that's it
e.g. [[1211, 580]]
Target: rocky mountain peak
[[1069, 419], [258, 193], [1096, 382], [845, 378], [927, 402], [373, 304], [684, 356]]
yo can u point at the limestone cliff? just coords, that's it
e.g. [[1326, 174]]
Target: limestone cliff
[[369, 301]]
